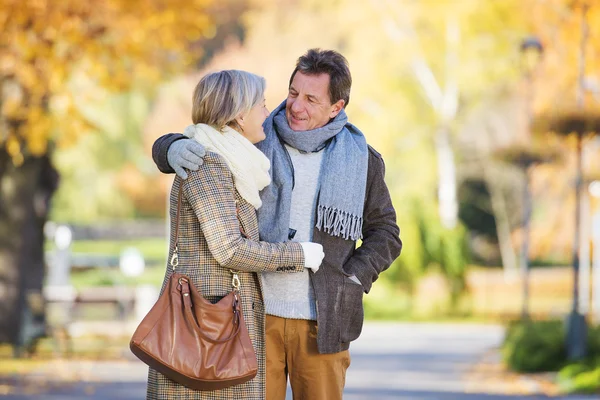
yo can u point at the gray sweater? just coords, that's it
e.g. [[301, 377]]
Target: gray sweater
[[292, 295]]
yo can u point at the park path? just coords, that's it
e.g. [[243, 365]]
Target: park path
[[402, 361], [432, 362]]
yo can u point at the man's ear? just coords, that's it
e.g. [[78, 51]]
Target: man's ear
[[336, 108]]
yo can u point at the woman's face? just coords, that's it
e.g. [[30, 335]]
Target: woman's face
[[252, 123]]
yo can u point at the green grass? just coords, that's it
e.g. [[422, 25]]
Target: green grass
[[387, 301], [154, 250], [580, 377], [384, 302], [113, 276], [49, 348], [18, 366]]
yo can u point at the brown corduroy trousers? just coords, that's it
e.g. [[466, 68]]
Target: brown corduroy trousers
[[292, 351]]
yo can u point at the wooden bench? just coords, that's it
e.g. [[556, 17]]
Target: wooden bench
[[121, 297]]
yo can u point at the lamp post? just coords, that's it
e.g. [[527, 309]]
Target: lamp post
[[577, 326], [531, 52], [583, 122], [594, 190], [526, 158]]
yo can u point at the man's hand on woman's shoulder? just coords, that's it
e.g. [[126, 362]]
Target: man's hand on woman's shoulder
[[185, 153]]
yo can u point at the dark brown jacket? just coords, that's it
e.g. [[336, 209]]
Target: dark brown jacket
[[340, 311]]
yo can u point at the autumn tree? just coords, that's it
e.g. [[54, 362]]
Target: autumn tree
[[47, 48]]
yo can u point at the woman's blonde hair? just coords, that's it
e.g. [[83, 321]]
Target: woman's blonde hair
[[222, 96]]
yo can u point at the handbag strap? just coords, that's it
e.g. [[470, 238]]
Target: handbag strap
[[175, 258]]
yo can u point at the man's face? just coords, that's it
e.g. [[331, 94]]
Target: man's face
[[308, 105]]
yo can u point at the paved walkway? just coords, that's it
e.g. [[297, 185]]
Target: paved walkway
[[389, 361], [431, 362]]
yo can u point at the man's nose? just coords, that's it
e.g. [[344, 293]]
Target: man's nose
[[297, 105]]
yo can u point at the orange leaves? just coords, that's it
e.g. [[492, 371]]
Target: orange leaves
[[559, 25], [115, 42], [36, 130], [27, 76], [10, 107]]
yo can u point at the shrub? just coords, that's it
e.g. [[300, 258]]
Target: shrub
[[449, 249], [535, 346], [594, 341]]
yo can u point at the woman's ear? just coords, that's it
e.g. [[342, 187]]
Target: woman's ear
[[240, 121]]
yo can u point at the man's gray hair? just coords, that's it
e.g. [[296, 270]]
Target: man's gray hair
[[332, 63]]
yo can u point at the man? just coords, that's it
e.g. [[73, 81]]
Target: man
[[327, 187]]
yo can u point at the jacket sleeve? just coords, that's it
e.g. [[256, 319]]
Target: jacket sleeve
[[210, 192], [381, 243], [160, 148]]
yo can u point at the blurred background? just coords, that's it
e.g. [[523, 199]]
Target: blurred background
[[487, 114]]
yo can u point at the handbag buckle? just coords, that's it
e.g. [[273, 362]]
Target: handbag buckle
[[184, 280], [235, 281], [175, 259]]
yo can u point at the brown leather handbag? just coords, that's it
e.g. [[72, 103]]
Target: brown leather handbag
[[191, 341]]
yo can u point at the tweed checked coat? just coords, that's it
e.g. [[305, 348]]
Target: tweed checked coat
[[210, 246]]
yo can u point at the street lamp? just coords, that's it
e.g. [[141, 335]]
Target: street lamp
[[577, 326], [594, 190], [531, 48], [582, 122], [531, 53]]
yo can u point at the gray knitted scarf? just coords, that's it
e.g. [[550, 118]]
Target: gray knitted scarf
[[342, 180]]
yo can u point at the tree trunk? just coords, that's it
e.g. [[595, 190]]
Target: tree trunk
[[24, 205], [527, 204], [447, 202], [500, 210]]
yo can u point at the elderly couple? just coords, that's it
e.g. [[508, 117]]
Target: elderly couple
[[304, 186]]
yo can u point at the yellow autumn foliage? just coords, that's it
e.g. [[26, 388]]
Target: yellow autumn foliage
[[44, 43], [559, 23]]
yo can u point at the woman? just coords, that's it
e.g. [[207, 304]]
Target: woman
[[219, 201]]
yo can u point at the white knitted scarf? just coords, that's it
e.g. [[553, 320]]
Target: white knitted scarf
[[249, 166]]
